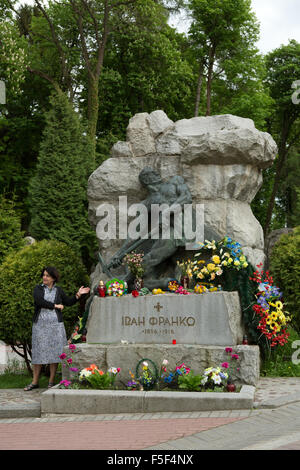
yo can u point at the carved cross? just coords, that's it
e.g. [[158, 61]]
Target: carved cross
[[158, 307]]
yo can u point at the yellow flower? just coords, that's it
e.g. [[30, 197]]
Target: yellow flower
[[245, 265], [274, 326], [274, 316], [199, 289], [157, 291], [230, 260], [279, 305], [224, 263], [216, 259], [236, 263], [243, 258]]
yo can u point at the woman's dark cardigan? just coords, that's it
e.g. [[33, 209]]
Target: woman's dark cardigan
[[40, 302]]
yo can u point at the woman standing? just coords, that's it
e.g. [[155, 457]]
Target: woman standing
[[48, 330]]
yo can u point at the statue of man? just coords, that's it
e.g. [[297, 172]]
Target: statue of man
[[173, 192]]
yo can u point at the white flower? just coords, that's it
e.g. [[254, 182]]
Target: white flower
[[165, 362], [113, 370], [124, 341], [145, 364], [84, 373], [216, 379]]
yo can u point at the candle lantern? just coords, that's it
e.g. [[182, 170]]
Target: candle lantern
[[101, 289], [245, 339]]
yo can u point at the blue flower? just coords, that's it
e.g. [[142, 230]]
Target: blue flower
[[169, 378]]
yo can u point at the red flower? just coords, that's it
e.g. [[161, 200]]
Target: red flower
[[135, 293]]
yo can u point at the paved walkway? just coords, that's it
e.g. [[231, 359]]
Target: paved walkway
[[274, 423]]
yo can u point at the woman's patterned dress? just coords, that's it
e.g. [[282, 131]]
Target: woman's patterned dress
[[48, 334]]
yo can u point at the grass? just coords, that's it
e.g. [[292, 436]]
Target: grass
[[15, 376], [282, 361], [11, 380]]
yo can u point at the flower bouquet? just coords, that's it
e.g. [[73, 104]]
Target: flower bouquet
[[226, 257], [214, 377], [173, 285], [133, 383], [147, 374], [115, 288], [157, 291], [134, 263], [170, 378], [231, 364], [200, 289], [207, 272], [97, 378], [186, 272], [269, 308], [72, 371]]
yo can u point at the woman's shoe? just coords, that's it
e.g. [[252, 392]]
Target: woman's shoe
[[31, 387]]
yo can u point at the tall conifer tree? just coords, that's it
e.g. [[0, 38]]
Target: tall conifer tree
[[58, 191]]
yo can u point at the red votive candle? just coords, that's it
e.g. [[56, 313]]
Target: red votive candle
[[174, 341]]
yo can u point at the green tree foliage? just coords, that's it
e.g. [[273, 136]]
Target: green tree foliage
[[19, 273], [222, 35], [57, 192], [12, 57], [285, 269], [144, 70], [11, 236], [20, 134], [283, 70]]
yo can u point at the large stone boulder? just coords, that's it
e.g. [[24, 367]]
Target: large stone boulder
[[221, 159]]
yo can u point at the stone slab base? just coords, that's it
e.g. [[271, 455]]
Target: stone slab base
[[214, 318], [85, 402], [197, 357]]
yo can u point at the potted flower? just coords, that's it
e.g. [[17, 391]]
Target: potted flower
[[134, 261], [186, 272], [147, 374], [214, 377]]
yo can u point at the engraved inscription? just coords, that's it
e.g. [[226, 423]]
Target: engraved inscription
[[158, 321], [158, 307]]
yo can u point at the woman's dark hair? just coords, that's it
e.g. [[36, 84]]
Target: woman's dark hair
[[52, 271]]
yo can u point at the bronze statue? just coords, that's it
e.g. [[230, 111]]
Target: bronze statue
[[158, 250]]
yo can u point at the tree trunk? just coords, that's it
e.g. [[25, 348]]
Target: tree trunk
[[25, 355], [282, 154], [93, 108], [209, 78], [199, 87]]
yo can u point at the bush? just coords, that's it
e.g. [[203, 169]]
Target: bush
[[11, 236], [285, 269], [19, 273]]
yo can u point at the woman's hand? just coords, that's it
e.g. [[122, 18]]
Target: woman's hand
[[59, 306], [82, 290]]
